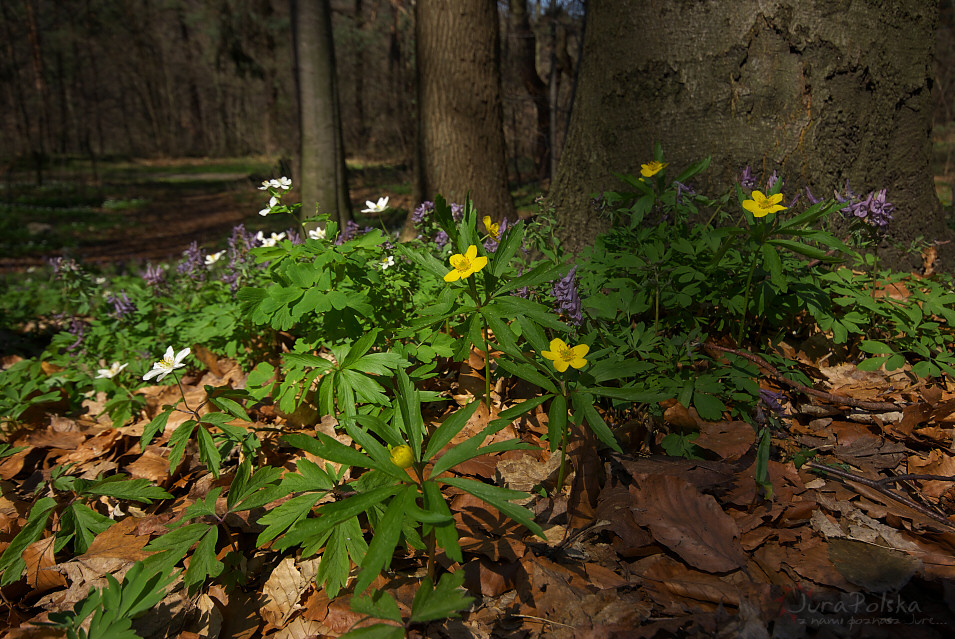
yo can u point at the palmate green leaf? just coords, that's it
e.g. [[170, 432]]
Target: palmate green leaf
[[446, 600], [287, 514], [141, 490], [374, 450], [472, 448], [385, 538], [366, 389], [80, 523], [426, 261], [629, 394], [358, 349], [254, 492], [500, 499], [448, 429], [203, 563], [533, 333], [309, 478], [334, 568], [332, 514], [503, 334], [332, 450], [378, 604], [12, 564], [208, 452], [512, 306]]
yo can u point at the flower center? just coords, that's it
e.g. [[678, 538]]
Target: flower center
[[464, 264], [567, 354], [166, 362]]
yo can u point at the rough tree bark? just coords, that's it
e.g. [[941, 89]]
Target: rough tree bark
[[820, 91], [322, 179], [460, 143], [525, 55]]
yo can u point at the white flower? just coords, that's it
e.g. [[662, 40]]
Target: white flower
[[111, 372], [214, 257], [376, 207], [388, 261], [281, 183], [316, 234], [269, 241], [273, 201], [167, 364]]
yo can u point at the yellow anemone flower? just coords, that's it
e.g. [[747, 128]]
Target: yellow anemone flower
[[652, 168], [402, 456], [493, 228], [563, 355], [463, 266], [761, 206]]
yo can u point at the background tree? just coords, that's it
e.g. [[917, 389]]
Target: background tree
[[322, 179], [460, 140], [822, 92]]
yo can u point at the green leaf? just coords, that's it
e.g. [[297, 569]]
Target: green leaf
[[446, 600], [446, 534], [285, 515], [409, 403], [583, 403], [208, 453], [876, 347], [141, 490], [178, 442], [811, 252], [358, 349], [334, 567], [448, 429], [507, 247], [378, 604], [376, 631], [156, 425], [83, 523], [500, 499], [709, 407], [556, 421], [203, 562], [12, 564], [527, 373], [384, 539]]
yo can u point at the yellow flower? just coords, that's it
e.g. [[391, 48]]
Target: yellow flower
[[652, 168], [493, 228], [466, 265], [564, 355], [761, 206], [401, 456]]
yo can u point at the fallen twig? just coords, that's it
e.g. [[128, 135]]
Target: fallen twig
[[879, 486], [879, 407]]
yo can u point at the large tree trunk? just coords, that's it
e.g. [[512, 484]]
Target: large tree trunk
[[460, 145], [821, 91], [525, 56], [322, 180]]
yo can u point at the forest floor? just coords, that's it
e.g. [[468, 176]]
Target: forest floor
[[859, 542]]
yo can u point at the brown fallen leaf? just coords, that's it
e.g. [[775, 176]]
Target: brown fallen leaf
[[689, 523], [876, 568], [41, 575], [122, 540], [729, 440]]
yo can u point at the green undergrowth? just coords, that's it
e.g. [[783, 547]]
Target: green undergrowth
[[351, 324]]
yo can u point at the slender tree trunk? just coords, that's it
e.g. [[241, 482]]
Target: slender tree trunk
[[525, 54], [460, 142], [821, 92], [322, 179]]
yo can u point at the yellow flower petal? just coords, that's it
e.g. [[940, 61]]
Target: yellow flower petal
[[402, 456]]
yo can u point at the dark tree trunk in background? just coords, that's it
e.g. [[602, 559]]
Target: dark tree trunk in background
[[821, 91], [525, 55], [321, 179], [460, 145]]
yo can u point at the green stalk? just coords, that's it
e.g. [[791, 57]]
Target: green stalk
[[749, 281]]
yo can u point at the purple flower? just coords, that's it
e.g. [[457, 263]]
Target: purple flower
[[154, 276], [874, 210], [347, 233], [122, 305], [491, 244], [746, 179], [772, 182], [568, 300], [457, 212], [812, 199], [78, 330], [682, 188], [193, 263], [293, 236], [441, 238], [771, 401], [421, 212]]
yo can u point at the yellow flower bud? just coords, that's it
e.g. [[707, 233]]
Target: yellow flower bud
[[402, 456]]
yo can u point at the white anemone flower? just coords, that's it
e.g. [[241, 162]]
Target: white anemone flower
[[167, 364], [281, 183], [111, 372], [214, 257], [273, 202], [388, 261], [316, 234], [270, 241], [376, 207]]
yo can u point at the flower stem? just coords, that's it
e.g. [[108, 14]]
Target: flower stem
[[749, 281]]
